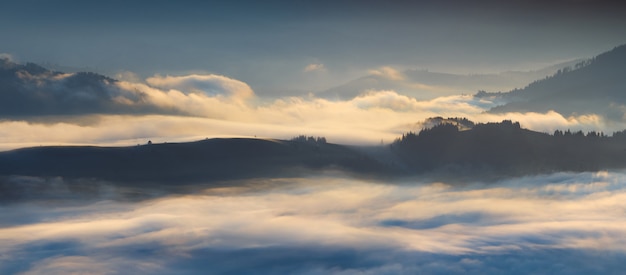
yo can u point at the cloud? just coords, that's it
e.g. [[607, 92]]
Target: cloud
[[370, 227], [128, 76], [82, 108], [365, 119], [314, 67], [31, 91], [7, 57], [388, 72], [209, 84]]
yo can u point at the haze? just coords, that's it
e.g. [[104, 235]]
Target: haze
[[533, 192]]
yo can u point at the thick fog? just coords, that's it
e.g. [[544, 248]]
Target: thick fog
[[558, 223]]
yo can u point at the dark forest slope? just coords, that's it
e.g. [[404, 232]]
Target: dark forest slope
[[496, 150], [594, 86]]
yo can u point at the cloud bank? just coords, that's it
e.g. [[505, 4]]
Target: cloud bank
[[288, 225], [82, 108]]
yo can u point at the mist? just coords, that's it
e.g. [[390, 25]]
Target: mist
[[192, 107], [557, 223]]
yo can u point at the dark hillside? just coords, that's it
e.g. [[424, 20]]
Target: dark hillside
[[207, 160], [505, 149], [594, 86]]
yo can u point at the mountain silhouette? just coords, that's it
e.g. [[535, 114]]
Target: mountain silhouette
[[425, 84], [595, 86], [496, 150], [456, 148]]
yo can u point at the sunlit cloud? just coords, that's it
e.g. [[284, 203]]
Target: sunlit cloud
[[559, 211], [313, 67], [388, 72], [184, 108], [128, 76], [365, 119], [210, 84], [7, 56]]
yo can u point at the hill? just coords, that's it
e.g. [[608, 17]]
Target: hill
[[595, 86], [456, 148], [201, 161], [497, 150]]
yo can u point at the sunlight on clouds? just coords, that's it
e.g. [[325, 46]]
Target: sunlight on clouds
[[313, 67], [388, 72], [199, 106], [550, 121], [210, 84], [7, 56], [86, 265], [301, 214], [363, 120], [564, 211]]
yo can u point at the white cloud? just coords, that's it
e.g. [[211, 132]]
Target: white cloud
[[209, 84], [554, 212], [198, 106], [128, 76], [365, 119], [388, 72], [7, 57], [313, 67]]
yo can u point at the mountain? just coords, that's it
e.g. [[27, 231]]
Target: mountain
[[425, 84], [595, 86]]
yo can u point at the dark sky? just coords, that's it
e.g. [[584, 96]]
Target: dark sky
[[268, 43]]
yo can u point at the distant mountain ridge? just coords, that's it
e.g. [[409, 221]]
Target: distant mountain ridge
[[595, 86], [425, 84]]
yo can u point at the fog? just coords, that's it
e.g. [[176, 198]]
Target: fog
[[557, 223], [86, 108], [199, 106]]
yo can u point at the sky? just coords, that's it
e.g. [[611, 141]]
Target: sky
[[296, 47], [174, 71], [196, 69]]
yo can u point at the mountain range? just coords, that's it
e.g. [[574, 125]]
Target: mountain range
[[426, 84], [594, 86]]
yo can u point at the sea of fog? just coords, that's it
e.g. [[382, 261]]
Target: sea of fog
[[557, 223]]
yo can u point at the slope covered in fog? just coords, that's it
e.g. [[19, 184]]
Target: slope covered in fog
[[595, 86]]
